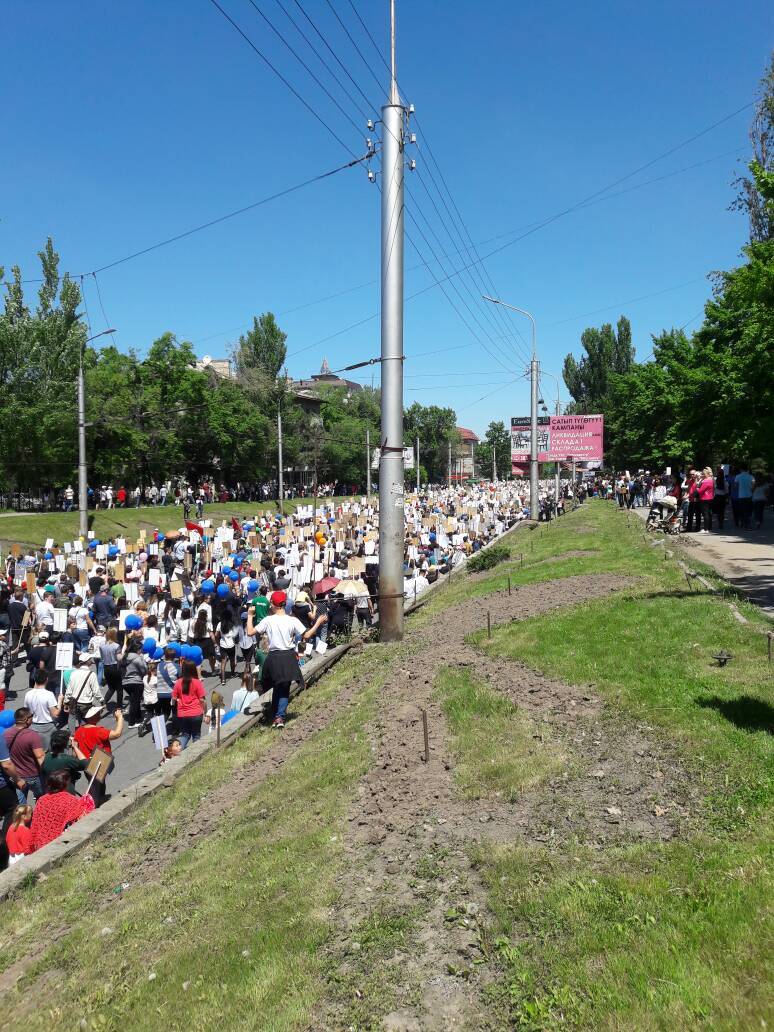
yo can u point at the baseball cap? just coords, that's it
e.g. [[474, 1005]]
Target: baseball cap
[[278, 598], [94, 711], [43, 636], [88, 657]]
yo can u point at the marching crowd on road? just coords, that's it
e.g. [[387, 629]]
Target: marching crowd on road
[[118, 638]]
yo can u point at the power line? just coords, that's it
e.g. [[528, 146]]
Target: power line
[[631, 300], [279, 74], [380, 85]]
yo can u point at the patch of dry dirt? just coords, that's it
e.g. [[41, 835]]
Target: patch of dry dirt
[[619, 785]]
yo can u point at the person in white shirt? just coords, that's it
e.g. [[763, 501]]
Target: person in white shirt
[[280, 668], [225, 636], [83, 691], [44, 706], [44, 611], [246, 695]]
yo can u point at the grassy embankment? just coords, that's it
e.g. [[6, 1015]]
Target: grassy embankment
[[231, 934], [651, 936], [110, 523]]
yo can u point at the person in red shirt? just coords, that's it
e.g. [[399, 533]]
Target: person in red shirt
[[57, 809], [92, 735], [188, 696], [121, 498], [18, 839]]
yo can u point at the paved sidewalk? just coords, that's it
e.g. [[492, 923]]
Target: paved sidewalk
[[745, 558]]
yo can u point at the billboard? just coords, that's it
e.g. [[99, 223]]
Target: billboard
[[560, 439]]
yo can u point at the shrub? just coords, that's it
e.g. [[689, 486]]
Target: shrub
[[487, 558]]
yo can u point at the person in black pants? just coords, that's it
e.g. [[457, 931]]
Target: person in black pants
[[9, 782]]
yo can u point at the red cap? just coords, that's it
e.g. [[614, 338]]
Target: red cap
[[278, 598]]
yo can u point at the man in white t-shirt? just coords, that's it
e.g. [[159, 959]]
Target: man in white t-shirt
[[44, 610], [44, 706], [280, 668]]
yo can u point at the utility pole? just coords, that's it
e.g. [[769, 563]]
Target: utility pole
[[280, 477], [558, 474], [391, 512], [534, 501], [494, 464], [533, 411], [448, 472], [417, 465], [368, 464], [83, 486]]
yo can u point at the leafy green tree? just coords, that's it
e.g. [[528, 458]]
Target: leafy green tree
[[260, 354], [498, 438], [436, 428], [608, 351], [39, 354]]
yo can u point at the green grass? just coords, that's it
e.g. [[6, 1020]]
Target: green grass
[[261, 883], [664, 937], [497, 749], [649, 936], [593, 527], [127, 523]]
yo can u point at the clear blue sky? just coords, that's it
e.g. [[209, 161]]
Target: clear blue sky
[[126, 123]]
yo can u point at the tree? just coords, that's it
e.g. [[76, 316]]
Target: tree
[[39, 354], [436, 428], [607, 352], [260, 354], [751, 198], [498, 438]]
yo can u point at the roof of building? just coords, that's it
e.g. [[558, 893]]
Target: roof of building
[[467, 435]]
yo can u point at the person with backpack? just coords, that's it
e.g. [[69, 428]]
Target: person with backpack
[[83, 691], [188, 697]]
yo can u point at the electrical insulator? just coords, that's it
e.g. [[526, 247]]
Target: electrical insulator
[[369, 145], [370, 124], [412, 137], [412, 165], [371, 176], [411, 109]]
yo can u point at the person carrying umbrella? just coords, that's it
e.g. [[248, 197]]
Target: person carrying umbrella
[[281, 667]]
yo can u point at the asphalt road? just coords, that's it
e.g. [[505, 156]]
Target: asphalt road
[[134, 756]]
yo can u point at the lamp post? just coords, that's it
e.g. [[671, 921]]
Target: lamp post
[[83, 487], [533, 408]]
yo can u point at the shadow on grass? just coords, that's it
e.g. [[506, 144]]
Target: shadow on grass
[[681, 593], [746, 712]]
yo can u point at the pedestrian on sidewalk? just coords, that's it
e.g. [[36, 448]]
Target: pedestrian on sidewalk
[[281, 668], [721, 496], [745, 484], [760, 497], [705, 492]]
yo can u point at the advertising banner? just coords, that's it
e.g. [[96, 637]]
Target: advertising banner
[[560, 438]]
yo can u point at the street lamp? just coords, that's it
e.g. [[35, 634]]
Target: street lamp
[[83, 506], [533, 409]]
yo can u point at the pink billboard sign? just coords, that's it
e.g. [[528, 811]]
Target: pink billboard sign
[[560, 438]]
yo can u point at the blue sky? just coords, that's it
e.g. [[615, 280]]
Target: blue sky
[[127, 123]]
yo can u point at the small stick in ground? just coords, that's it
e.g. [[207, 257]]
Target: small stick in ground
[[488, 624], [426, 757]]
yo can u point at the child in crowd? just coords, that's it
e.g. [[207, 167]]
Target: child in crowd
[[18, 838], [150, 696], [216, 711], [172, 750]]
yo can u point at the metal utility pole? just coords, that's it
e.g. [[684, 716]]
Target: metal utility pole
[[83, 486], [449, 466], [558, 474], [417, 465], [280, 477], [391, 513], [533, 411], [494, 464], [368, 464]]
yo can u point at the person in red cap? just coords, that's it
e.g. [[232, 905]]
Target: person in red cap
[[280, 668]]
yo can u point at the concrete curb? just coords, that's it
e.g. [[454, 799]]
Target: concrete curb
[[123, 802]]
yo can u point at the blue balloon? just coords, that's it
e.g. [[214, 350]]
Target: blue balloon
[[208, 586], [113, 550], [158, 652], [49, 555], [223, 590], [6, 718], [174, 646], [185, 651], [161, 537], [93, 543], [234, 576], [149, 646], [133, 622], [253, 585], [196, 654], [225, 567]]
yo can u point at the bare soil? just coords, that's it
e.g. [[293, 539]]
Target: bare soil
[[619, 784]]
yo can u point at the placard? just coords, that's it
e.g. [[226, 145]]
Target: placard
[[176, 588], [99, 764], [60, 621], [64, 651]]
